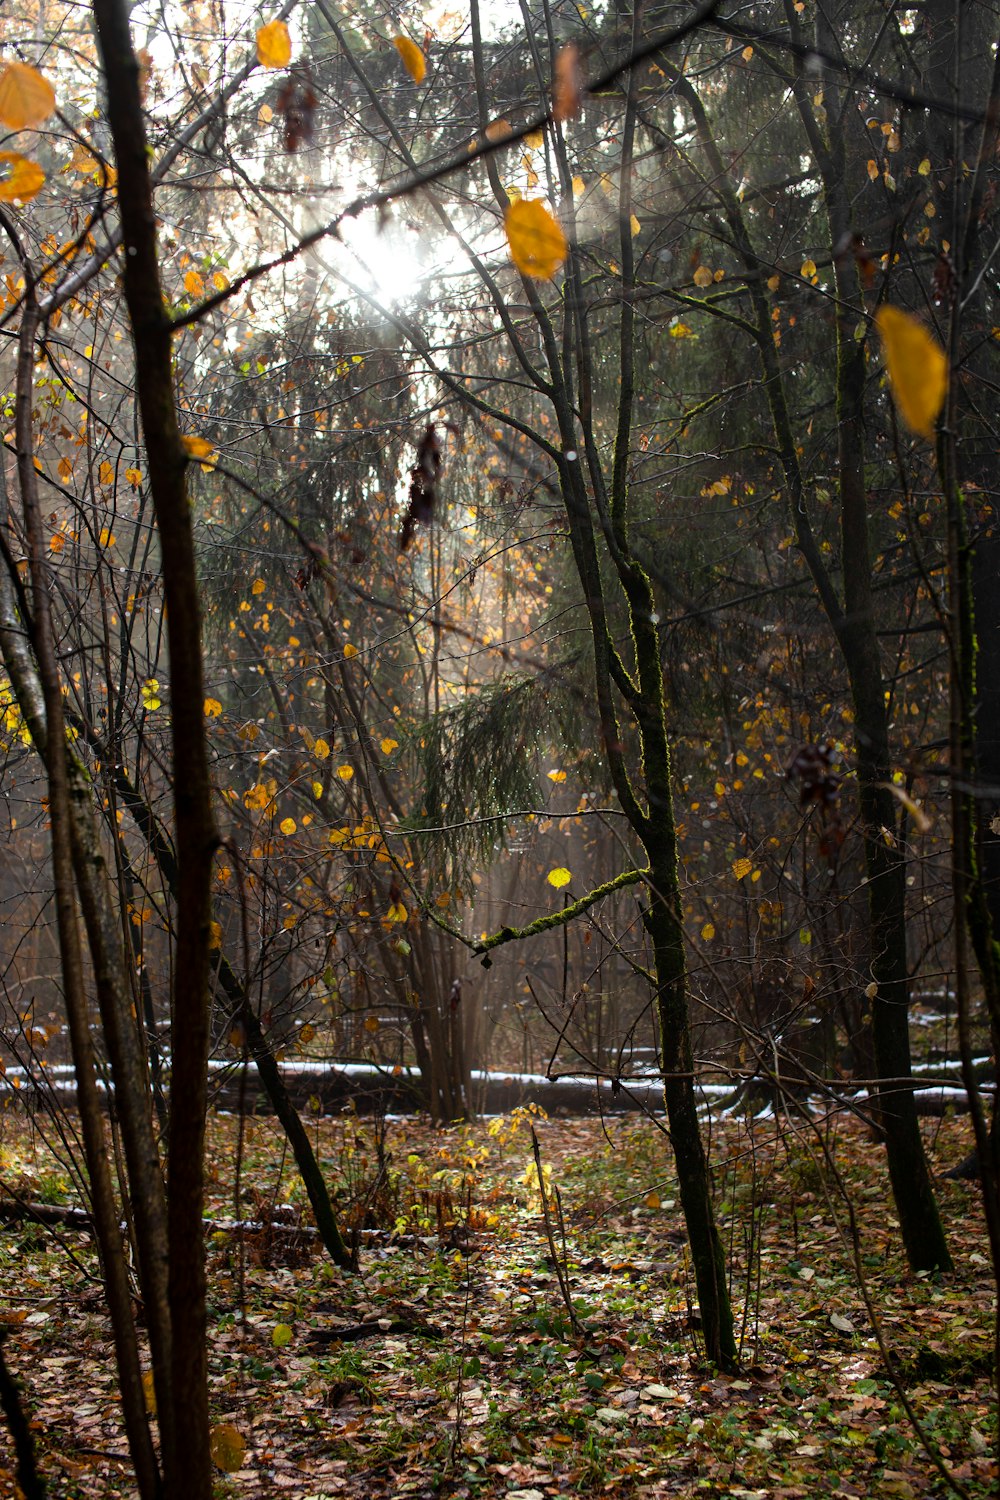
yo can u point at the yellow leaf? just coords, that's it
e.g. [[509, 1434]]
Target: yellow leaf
[[214, 937], [134, 477], [372, 1023], [742, 868], [194, 284], [317, 787], [219, 281], [197, 447], [389, 745], [579, 187], [213, 708], [397, 912], [559, 877], [443, 901], [258, 586], [498, 130], [23, 180], [66, 469], [350, 651], [106, 473], [680, 331], [149, 1392], [265, 114], [150, 695], [773, 282], [703, 276], [256, 797], [652, 1199], [634, 225], [282, 1335], [924, 168], [534, 139], [746, 54], [346, 773], [807, 269], [708, 932], [872, 169], [274, 45], [537, 243], [321, 749], [287, 826], [413, 59], [225, 1444], [557, 776], [306, 1034], [56, 543], [917, 368], [26, 98]]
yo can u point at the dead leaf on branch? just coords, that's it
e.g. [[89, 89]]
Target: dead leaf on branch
[[424, 478]]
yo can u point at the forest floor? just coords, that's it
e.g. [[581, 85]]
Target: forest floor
[[450, 1365]]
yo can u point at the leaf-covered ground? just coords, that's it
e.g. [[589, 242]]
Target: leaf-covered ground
[[450, 1364]]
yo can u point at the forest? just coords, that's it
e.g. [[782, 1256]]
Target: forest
[[499, 749]]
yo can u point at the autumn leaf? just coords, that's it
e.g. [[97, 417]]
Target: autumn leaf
[[413, 59], [23, 181], [213, 708], [350, 651], [26, 97], [227, 1448], [214, 937], [566, 84], [150, 695], [387, 746], [256, 797], [917, 368], [807, 269], [742, 868], [194, 284], [281, 1337], [258, 586], [287, 826], [321, 749], [274, 45], [346, 773], [397, 912], [559, 877], [703, 277], [537, 243], [557, 776], [134, 477], [197, 447], [708, 932]]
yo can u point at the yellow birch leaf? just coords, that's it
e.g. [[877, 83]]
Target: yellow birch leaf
[[559, 877], [258, 586], [23, 180], [498, 130], [742, 868], [274, 45], [534, 139], [537, 243], [350, 651], [917, 368], [65, 469], [150, 695], [26, 98], [807, 269], [213, 708], [924, 168], [634, 225], [149, 1392], [287, 826], [389, 745], [579, 187], [413, 59], [197, 447], [56, 542], [106, 473], [214, 937], [256, 797], [746, 54], [397, 912], [872, 169], [708, 932], [134, 477], [346, 773], [703, 276], [225, 1443], [557, 776], [321, 749], [194, 284]]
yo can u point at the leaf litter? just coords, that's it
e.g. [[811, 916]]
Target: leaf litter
[[449, 1366]]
